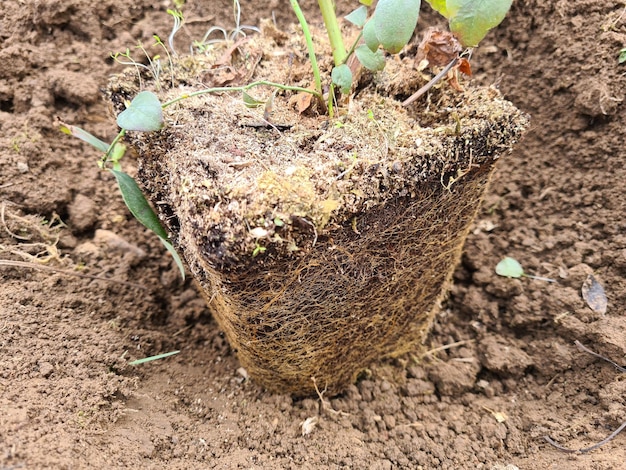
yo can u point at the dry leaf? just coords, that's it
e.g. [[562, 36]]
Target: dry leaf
[[308, 425], [500, 416], [438, 48], [464, 67], [594, 295], [302, 101]]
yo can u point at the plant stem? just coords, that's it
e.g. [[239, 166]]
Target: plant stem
[[430, 84], [242, 88], [353, 47], [539, 278], [334, 33], [309, 45], [106, 156]]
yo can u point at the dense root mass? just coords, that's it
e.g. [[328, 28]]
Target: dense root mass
[[320, 244]]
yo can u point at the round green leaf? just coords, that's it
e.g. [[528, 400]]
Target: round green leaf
[[440, 7], [143, 114], [395, 21], [509, 267], [369, 35], [471, 20], [358, 16], [374, 61], [342, 77]]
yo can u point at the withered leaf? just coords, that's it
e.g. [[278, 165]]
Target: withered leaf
[[302, 101], [439, 48], [594, 295], [465, 67]]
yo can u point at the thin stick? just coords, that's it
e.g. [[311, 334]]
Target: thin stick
[[539, 278], [550, 441], [446, 346], [599, 356], [24, 264], [430, 84], [6, 227], [326, 404]]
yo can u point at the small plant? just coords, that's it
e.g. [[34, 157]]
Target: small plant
[[385, 30], [510, 267], [152, 358], [622, 56]]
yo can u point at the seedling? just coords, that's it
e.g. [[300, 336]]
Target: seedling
[[622, 55], [152, 358], [510, 267], [386, 31]]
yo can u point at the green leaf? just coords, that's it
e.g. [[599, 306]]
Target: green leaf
[[179, 262], [137, 203], [84, 136], [395, 21], [342, 77], [358, 17], [250, 101], [369, 35], [367, 3], [471, 20], [117, 153], [142, 211], [374, 61], [622, 56], [509, 267], [143, 114], [440, 7], [152, 358]]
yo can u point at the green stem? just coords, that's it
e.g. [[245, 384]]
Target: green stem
[[353, 47], [222, 89], [309, 45], [106, 156], [334, 33]]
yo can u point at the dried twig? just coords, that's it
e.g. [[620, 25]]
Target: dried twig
[[430, 352], [599, 356], [24, 264], [550, 441], [587, 449], [325, 403], [430, 84]]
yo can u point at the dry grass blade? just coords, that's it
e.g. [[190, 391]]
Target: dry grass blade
[[24, 264], [599, 356], [550, 441]]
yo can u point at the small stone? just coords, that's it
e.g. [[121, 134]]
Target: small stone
[[83, 214], [46, 369], [22, 167], [454, 378], [117, 243], [503, 358], [417, 387]]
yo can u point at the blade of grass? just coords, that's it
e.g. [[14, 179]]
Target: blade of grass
[[152, 358]]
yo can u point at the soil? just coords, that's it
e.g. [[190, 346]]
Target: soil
[[503, 371]]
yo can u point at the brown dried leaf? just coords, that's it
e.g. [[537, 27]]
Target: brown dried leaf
[[302, 101], [594, 295], [464, 66], [438, 48]]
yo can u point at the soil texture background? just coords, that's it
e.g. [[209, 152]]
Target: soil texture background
[[503, 371]]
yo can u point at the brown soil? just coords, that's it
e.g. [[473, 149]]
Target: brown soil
[[68, 397]]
